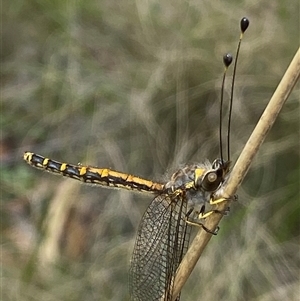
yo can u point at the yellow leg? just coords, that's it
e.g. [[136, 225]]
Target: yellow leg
[[198, 224], [206, 214], [218, 201]]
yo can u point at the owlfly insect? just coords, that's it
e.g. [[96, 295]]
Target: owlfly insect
[[164, 231]]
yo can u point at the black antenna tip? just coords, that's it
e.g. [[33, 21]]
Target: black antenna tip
[[227, 59], [244, 24]]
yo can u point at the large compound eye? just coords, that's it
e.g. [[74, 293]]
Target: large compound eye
[[211, 181], [212, 177]]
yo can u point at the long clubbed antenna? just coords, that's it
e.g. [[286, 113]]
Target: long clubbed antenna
[[244, 25], [227, 59]]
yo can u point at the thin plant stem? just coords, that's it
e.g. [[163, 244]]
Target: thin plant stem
[[240, 170]]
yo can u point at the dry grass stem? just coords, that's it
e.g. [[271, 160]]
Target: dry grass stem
[[240, 169]]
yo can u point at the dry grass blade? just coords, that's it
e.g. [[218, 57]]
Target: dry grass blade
[[240, 169]]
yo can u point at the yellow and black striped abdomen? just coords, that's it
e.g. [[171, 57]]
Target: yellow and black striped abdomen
[[94, 175]]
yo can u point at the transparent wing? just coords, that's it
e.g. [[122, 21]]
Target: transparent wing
[[162, 241]]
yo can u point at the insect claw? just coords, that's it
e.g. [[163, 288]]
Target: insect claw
[[215, 232]]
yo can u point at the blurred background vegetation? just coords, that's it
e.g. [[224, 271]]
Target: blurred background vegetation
[[135, 86]]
